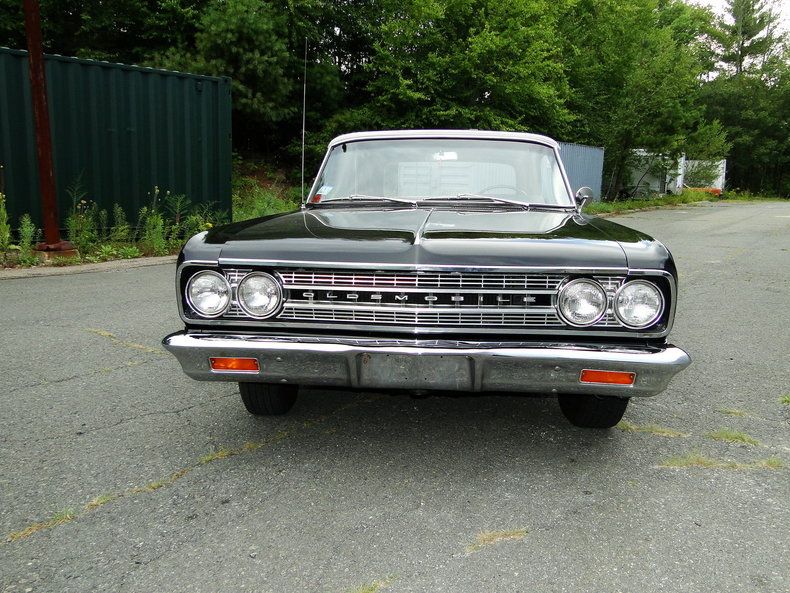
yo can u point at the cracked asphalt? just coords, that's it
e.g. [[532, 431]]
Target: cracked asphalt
[[118, 473]]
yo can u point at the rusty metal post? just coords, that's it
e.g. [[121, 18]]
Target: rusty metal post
[[38, 89]]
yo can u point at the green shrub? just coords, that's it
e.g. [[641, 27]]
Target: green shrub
[[701, 173], [153, 240], [120, 232], [176, 207], [103, 225], [194, 224], [106, 252], [128, 252], [142, 215], [27, 236], [81, 226], [251, 200]]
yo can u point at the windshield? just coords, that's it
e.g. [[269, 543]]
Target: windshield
[[418, 169]]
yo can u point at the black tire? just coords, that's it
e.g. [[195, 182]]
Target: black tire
[[592, 411], [263, 399]]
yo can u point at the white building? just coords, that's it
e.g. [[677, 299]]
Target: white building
[[654, 174]]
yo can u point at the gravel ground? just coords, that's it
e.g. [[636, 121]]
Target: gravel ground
[[118, 473]]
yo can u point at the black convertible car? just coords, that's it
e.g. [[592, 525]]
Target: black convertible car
[[433, 260]]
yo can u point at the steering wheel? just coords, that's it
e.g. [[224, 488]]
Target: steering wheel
[[515, 189]]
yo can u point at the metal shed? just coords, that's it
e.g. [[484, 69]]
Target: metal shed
[[118, 131], [584, 165]]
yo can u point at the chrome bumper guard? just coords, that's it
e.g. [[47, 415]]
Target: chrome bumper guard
[[437, 364]]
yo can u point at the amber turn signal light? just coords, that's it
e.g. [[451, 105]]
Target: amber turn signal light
[[249, 365], [607, 377]]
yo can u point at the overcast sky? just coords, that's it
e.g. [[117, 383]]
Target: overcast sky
[[782, 7]]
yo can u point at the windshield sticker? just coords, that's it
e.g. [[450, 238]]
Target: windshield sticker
[[324, 190], [445, 156]]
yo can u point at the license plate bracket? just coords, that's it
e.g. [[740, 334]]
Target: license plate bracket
[[403, 371]]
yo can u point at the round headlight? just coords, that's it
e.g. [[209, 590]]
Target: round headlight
[[208, 293], [582, 302], [259, 295], [638, 304]]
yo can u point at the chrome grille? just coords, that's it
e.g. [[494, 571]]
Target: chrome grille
[[420, 318], [436, 280], [449, 299], [234, 276]]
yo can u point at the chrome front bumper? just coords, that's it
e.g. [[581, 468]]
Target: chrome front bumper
[[433, 364]]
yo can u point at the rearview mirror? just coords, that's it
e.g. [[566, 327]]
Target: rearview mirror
[[583, 195]]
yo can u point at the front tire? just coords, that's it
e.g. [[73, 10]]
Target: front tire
[[592, 411], [262, 399]]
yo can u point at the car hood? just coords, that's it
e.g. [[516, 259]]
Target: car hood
[[415, 237]]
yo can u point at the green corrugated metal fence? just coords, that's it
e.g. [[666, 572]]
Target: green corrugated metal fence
[[120, 130]]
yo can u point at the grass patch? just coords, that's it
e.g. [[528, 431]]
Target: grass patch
[[732, 412], [770, 463], [62, 262], [248, 447], [152, 486], [785, 399], [101, 501], [221, 453], [60, 518], [728, 435], [125, 343], [685, 197], [697, 460], [654, 429], [488, 538], [373, 587]]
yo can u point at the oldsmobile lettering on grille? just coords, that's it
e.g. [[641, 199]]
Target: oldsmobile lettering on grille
[[429, 299]]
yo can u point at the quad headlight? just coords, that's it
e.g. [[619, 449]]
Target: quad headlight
[[582, 302], [259, 295], [208, 293], [638, 304]]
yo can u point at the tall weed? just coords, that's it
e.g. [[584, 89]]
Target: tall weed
[[5, 228]]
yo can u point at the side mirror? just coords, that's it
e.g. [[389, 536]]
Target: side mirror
[[583, 195]]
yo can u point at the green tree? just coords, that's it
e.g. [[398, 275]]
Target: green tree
[[748, 36], [634, 68], [750, 96], [464, 64], [122, 30]]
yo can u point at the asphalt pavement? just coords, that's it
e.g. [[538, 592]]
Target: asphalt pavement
[[118, 473]]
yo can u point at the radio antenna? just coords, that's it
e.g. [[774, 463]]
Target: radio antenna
[[304, 112]]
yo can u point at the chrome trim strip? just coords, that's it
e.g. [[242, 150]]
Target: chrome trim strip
[[443, 135], [418, 289], [373, 266], [530, 368], [417, 309]]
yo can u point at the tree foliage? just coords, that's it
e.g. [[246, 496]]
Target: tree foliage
[[750, 96], [658, 75]]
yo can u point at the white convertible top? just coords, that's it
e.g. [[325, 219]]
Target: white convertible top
[[459, 134]]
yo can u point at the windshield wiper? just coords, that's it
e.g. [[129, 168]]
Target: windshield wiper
[[479, 197], [366, 198]]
